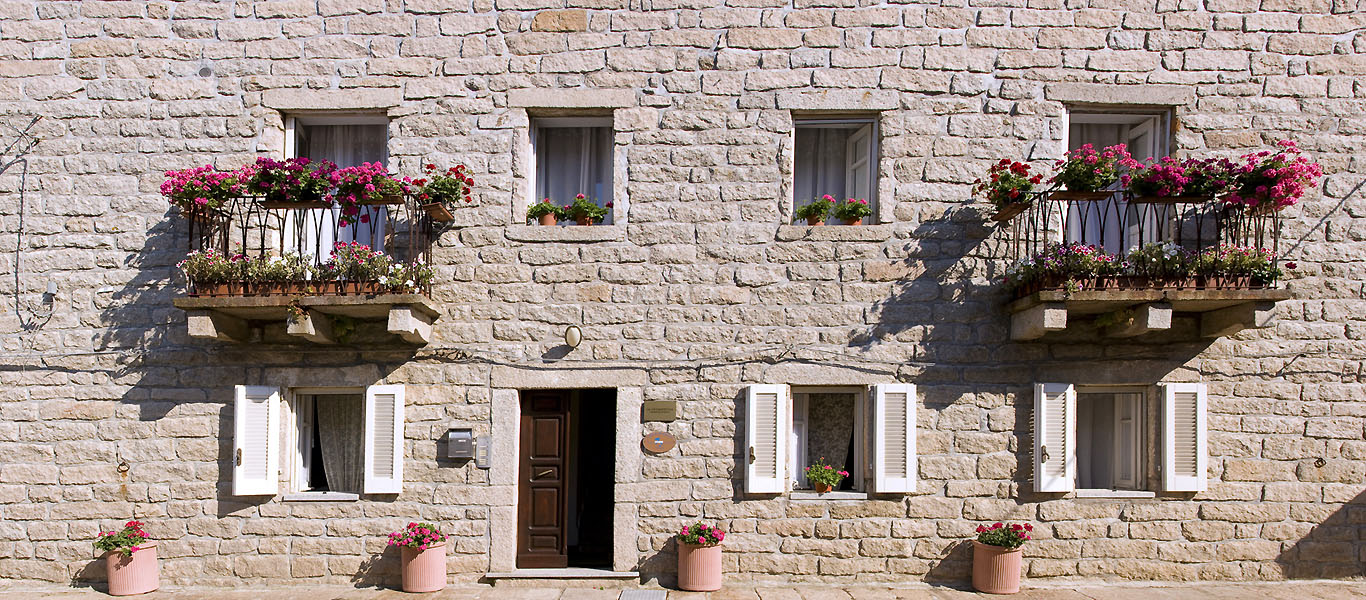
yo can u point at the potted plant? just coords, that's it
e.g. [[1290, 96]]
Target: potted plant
[[585, 211], [199, 192], [440, 190], [409, 278], [824, 477], [1007, 188], [210, 273], [1073, 267], [1267, 181], [131, 560], [1160, 265], [817, 211], [1236, 267], [544, 212], [364, 184], [699, 558], [273, 275], [1086, 172], [851, 211], [423, 549], [359, 269], [996, 557], [290, 183]]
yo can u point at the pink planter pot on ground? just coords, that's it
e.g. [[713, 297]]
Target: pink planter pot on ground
[[136, 574], [424, 570], [699, 568], [995, 570]]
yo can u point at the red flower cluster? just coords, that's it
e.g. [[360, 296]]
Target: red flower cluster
[[1007, 183]]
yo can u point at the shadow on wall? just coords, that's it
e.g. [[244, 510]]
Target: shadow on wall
[[953, 566], [379, 570], [1332, 549]]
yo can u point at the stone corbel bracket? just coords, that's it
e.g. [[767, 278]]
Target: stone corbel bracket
[[1137, 312]]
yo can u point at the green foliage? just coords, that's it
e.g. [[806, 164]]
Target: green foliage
[[125, 541], [583, 206], [1005, 535], [822, 472], [544, 207], [818, 208], [852, 209]]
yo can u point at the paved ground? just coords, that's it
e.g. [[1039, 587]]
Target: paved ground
[[1310, 590]]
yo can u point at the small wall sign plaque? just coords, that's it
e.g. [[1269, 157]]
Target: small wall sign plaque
[[659, 410], [658, 443]]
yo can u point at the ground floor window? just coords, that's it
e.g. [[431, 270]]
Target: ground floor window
[[330, 450], [829, 424]]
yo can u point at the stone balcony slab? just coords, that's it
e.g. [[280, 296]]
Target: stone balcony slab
[[232, 318]]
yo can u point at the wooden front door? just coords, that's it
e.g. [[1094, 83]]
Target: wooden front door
[[542, 489]]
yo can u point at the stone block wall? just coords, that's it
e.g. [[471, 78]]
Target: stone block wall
[[700, 286]]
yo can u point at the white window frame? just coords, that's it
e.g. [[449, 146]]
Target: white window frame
[[297, 414], [293, 123], [1156, 120], [797, 445], [872, 123], [1140, 450], [533, 169]]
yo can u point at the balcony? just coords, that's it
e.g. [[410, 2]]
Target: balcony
[[317, 298], [1125, 306]]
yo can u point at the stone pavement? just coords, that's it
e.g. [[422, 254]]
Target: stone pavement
[[1082, 590]]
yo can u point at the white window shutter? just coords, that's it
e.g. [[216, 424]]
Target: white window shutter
[[384, 439], [1055, 437], [858, 164], [767, 422], [1184, 444], [255, 440], [894, 464]]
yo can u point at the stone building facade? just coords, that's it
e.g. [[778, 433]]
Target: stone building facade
[[697, 289]]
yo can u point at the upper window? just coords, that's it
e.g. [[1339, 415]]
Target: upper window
[[869, 432], [574, 156], [347, 141], [1113, 224], [835, 157], [1093, 438]]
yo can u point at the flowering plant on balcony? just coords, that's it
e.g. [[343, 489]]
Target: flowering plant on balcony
[[280, 269], [1086, 170], [209, 266], [585, 210], [200, 188], [1068, 264], [816, 211], [354, 261], [446, 187], [409, 277], [291, 180], [1005, 535], [417, 535], [125, 541], [1007, 182], [1207, 176], [1238, 261], [851, 210], [366, 183], [1163, 177], [699, 534], [1274, 180], [1159, 261]]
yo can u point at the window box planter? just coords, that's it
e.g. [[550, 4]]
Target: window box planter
[[438, 212], [137, 573], [1010, 211], [1070, 196], [995, 569], [1169, 199], [385, 200], [292, 205], [288, 288]]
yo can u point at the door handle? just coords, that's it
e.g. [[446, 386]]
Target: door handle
[[544, 473], [239, 457], [751, 455], [1044, 453]]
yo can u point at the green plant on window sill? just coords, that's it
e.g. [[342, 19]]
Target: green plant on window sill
[[585, 210], [544, 208], [817, 211], [852, 210], [823, 473]]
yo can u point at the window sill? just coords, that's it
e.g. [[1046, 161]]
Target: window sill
[[835, 233], [1134, 494], [569, 233], [808, 496], [321, 497]]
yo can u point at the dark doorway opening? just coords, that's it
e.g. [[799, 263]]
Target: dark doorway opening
[[567, 476]]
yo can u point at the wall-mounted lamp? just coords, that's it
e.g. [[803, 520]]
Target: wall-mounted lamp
[[572, 336]]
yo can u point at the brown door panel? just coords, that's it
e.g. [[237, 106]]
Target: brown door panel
[[541, 497]]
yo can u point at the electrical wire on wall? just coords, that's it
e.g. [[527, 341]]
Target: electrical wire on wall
[[16, 153]]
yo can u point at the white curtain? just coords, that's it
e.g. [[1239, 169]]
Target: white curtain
[[572, 161], [341, 431], [819, 168], [347, 146], [1094, 222]]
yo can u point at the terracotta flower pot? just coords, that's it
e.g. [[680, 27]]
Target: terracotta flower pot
[[136, 574], [424, 570], [699, 568], [584, 220], [438, 212], [822, 488], [995, 570], [548, 219], [858, 221], [815, 221]]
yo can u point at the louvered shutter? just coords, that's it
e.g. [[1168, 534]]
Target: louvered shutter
[[1184, 445], [767, 422], [858, 164], [384, 439], [894, 465], [1055, 443], [256, 433]]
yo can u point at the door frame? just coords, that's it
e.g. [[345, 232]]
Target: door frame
[[507, 386]]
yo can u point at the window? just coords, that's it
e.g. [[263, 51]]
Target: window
[[573, 155], [786, 431], [1091, 438], [347, 141], [837, 157], [1113, 223], [341, 442]]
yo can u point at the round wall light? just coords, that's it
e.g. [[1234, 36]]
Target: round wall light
[[572, 336]]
